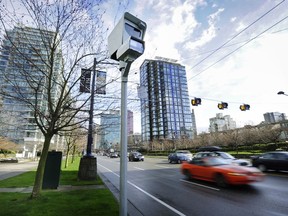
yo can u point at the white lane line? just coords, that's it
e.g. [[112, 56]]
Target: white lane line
[[162, 166], [150, 195], [200, 185], [109, 170], [139, 168]]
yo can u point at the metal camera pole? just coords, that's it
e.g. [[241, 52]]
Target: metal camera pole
[[124, 68]]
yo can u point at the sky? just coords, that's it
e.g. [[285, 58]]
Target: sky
[[234, 51]]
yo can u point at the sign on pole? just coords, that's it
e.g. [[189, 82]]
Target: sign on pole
[[101, 82], [85, 80]]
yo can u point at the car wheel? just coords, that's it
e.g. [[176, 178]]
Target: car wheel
[[220, 180], [262, 167], [179, 161], [188, 174], [169, 160]]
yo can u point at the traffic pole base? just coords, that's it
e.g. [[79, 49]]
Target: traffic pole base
[[88, 169]]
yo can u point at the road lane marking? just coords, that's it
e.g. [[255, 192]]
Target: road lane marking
[[148, 194], [162, 166], [109, 170], [139, 168], [200, 185]]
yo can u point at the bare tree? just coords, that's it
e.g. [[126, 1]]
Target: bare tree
[[73, 139], [48, 71], [232, 138]]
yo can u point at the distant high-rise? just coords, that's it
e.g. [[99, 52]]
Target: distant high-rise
[[272, 117], [165, 112], [109, 130], [221, 123], [130, 122]]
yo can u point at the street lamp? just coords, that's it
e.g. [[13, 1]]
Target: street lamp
[[125, 44], [88, 163], [282, 93]]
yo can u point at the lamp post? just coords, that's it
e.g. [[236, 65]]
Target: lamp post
[[88, 163], [282, 93]]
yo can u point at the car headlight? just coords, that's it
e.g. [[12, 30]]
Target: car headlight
[[236, 174]]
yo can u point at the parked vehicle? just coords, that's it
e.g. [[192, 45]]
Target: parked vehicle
[[275, 160], [186, 152], [209, 148], [219, 170], [135, 156], [114, 155], [179, 156], [225, 156]]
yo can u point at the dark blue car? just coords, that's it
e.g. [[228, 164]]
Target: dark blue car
[[179, 157]]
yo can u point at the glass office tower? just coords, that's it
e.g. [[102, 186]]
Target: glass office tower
[[165, 110], [21, 47]]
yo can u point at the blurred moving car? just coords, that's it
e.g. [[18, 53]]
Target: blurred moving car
[[216, 169], [135, 156], [225, 156], [209, 148], [276, 160], [114, 155], [179, 156]]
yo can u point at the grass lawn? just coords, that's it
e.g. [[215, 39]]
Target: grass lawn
[[79, 202]]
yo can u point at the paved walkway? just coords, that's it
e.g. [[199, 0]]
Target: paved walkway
[[61, 188]]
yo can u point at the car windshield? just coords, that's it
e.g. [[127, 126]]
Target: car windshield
[[183, 152], [226, 155], [215, 161]]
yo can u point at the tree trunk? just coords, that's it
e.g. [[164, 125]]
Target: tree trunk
[[37, 188], [67, 156], [73, 154]]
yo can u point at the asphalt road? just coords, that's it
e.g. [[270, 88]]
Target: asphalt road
[[156, 187]]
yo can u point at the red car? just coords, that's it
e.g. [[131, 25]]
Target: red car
[[215, 169]]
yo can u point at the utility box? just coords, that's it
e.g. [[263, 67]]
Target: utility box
[[52, 170]]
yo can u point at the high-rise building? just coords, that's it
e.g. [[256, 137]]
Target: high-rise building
[[273, 117], [130, 122], [165, 109], [221, 123], [23, 54], [109, 130]]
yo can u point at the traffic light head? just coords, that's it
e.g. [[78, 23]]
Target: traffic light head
[[244, 107], [220, 106], [223, 105], [196, 101]]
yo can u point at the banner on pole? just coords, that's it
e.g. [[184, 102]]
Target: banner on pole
[[85, 80], [101, 82]]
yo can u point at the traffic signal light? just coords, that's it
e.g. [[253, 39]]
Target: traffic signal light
[[244, 107], [196, 101], [223, 105]]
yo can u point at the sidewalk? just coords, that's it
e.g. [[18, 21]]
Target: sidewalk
[[61, 188]]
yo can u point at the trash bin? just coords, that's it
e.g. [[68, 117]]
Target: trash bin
[[52, 170]]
